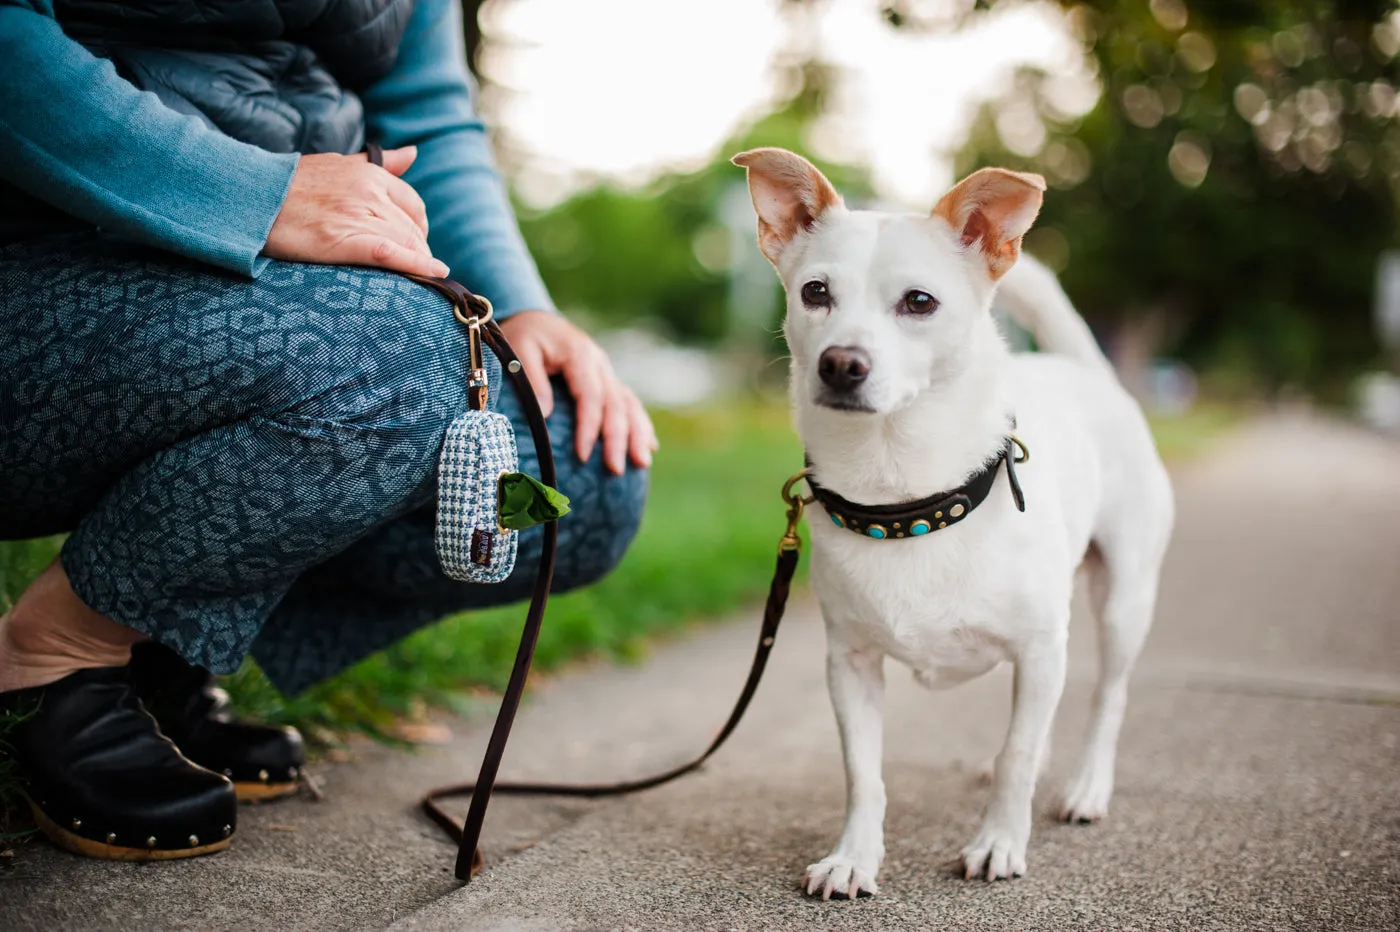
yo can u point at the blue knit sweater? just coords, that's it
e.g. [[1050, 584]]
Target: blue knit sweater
[[76, 135]]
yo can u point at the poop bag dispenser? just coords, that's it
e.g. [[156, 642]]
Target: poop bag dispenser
[[484, 501]]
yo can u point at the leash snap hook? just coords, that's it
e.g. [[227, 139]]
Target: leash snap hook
[[792, 541], [475, 311]]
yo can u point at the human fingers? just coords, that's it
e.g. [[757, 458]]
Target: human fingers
[[584, 372], [641, 433], [406, 199], [617, 424], [531, 357], [380, 250], [397, 161]]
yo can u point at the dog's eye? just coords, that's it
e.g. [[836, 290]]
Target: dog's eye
[[918, 303], [815, 294]]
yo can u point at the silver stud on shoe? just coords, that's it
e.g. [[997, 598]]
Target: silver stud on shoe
[[262, 775], [291, 773], [151, 842], [77, 824], [228, 830], [228, 773], [194, 841], [111, 838]]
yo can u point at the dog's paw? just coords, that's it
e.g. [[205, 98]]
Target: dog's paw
[[839, 877], [1086, 800], [996, 854]]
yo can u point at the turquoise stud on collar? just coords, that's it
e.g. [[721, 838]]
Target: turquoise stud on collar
[[919, 528], [877, 532]]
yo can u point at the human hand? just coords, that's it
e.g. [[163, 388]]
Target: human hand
[[547, 345], [341, 210]]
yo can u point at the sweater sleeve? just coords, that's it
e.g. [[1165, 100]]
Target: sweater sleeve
[[80, 137], [426, 101]]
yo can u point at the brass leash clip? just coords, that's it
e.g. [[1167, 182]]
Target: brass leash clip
[[477, 386], [795, 502]]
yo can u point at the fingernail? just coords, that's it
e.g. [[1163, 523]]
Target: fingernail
[[440, 269]]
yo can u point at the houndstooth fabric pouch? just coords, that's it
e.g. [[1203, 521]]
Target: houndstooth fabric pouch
[[479, 448]]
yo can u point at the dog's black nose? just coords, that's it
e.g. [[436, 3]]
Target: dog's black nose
[[843, 367]]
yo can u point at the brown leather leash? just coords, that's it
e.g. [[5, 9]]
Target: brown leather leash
[[476, 312], [469, 859]]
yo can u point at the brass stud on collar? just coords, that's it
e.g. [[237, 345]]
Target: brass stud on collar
[[194, 841], [938, 514], [111, 838], [228, 830], [943, 524], [956, 511], [151, 842], [262, 775]]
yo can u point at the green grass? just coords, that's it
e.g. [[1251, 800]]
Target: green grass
[[21, 561], [1189, 434], [706, 548], [14, 825]]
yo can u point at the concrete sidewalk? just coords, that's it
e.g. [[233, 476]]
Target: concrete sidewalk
[[1258, 781]]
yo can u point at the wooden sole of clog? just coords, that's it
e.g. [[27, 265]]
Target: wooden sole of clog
[[71, 841], [264, 792]]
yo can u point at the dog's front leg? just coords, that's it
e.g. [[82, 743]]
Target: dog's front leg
[[856, 679], [999, 850]]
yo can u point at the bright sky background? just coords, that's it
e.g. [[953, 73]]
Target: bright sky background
[[622, 90]]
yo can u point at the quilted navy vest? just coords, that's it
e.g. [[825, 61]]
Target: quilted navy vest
[[279, 74]]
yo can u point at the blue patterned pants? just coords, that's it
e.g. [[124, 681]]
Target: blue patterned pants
[[249, 466]]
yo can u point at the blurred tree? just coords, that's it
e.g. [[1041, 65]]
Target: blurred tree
[[1228, 196], [663, 253]]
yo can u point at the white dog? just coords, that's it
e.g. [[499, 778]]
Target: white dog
[[903, 390]]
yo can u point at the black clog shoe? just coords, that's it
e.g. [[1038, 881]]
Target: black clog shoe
[[104, 782], [264, 762]]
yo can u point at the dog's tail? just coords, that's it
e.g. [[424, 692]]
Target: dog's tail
[[1032, 295]]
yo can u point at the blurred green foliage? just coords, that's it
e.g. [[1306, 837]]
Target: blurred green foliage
[[627, 255], [1237, 178]]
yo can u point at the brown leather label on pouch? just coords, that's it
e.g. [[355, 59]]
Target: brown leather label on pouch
[[481, 547]]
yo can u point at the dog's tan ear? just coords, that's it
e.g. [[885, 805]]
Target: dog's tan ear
[[789, 195], [992, 209]]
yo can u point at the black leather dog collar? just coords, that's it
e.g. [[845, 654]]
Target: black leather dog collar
[[915, 519]]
